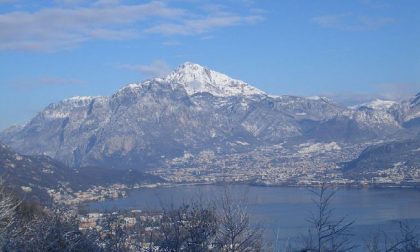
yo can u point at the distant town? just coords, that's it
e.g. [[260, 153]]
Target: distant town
[[274, 165]]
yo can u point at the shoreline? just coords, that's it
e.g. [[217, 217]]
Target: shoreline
[[173, 185]]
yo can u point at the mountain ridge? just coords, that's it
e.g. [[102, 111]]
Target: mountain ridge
[[37, 176], [148, 125]]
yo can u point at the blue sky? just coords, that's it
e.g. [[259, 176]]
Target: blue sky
[[350, 50]]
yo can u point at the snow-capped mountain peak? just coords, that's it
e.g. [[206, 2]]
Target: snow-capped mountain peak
[[197, 79]]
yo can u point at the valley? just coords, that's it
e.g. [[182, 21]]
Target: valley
[[198, 126]]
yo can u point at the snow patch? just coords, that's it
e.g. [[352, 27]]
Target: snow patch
[[26, 188], [377, 104], [314, 98], [132, 86], [416, 150], [80, 98], [318, 147], [242, 143], [56, 114], [212, 133]]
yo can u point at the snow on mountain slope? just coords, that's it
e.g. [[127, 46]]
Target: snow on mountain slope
[[414, 105], [376, 104], [408, 111], [195, 79], [308, 148], [67, 106], [191, 109], [198, 79]]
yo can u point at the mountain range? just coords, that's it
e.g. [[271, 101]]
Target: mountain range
[[194, 110]]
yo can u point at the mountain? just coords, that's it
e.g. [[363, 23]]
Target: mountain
[[356, 125], [33, 175], [410, 114], [36, 176], [193, 108], [146, 126], [399, 160], [399, 157]]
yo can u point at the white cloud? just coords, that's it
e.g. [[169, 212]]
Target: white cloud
[[110, 34], [398, 91], [45, 81], [73, 22], [171, 43], [202, 25], [375, 22], [329, 20], [393, 92], [352, 22], [59, 28], [107, 2], [158, 68], [88, 2]]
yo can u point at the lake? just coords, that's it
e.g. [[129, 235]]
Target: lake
[[283, 211]]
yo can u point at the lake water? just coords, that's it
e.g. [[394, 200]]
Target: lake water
[[283, 211]]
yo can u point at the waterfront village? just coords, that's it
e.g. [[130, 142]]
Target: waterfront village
[[306, 165], [275, 165], [135, 229]]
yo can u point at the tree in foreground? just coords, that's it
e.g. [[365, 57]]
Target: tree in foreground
[[8, 205], [191, 227], [235, 231], [408, 240], [327, 233], [203, 227], [37, 229]]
